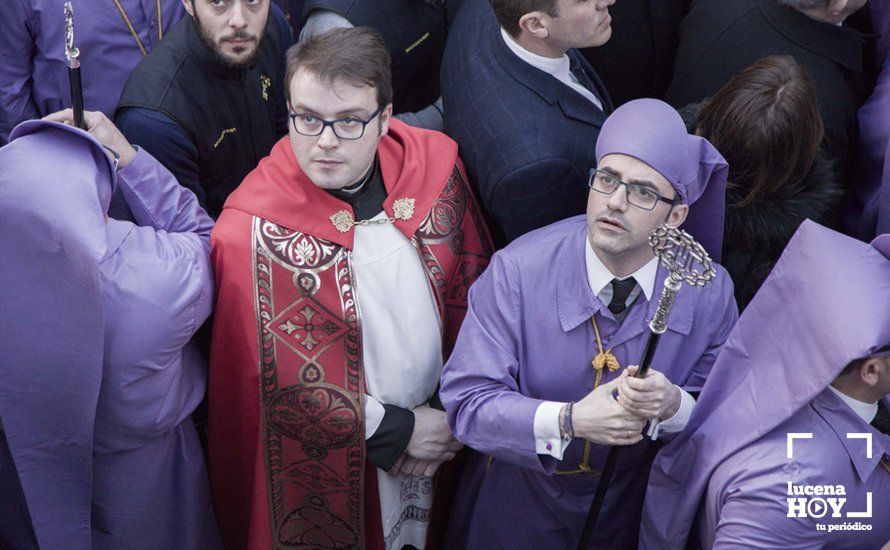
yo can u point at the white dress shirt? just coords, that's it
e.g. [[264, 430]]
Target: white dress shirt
[[546, 423], [558, 68], [865, 411]]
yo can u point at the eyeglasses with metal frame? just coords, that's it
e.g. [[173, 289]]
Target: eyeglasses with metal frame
[[638, 195], [348, 127]]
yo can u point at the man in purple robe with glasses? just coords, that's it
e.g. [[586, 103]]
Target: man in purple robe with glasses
[[788, 446], [97, 376], [563, 311]]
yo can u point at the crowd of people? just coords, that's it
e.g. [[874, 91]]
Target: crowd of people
[[383, 274]]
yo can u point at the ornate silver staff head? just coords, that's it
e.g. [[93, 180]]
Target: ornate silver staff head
[[685, 260], [71, 51]]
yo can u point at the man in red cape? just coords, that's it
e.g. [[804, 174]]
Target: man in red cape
[[342, 265]]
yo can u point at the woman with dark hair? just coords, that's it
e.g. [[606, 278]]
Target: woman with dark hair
[[766, 123]]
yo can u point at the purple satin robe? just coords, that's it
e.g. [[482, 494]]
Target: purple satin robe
[[868, 213], [52, 335], [528, 338], [746, 503], [826, 302], [148, 484], [32, 53]]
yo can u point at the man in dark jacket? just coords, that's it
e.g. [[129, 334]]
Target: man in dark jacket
[[525, 107], [208, 103], [721, 37]]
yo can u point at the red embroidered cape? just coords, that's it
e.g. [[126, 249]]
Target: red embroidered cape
[[286, 451]]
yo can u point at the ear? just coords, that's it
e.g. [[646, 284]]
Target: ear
[[189, 8], [385, 115], [678, 215], [870, 371], [535, 23]]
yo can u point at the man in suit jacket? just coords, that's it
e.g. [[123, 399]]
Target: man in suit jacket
[[525, 107], [719, 38]]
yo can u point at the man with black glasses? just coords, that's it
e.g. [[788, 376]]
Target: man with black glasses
[[555, 326], [343, 263]]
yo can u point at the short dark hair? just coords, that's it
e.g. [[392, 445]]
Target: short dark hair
[[766, 122], [508, 12], [357, 55], [856, 363]]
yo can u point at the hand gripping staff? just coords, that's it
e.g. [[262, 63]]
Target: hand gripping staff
[[686, 262], [72, 58]]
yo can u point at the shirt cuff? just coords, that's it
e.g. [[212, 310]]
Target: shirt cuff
[[676, 423], [547, 438], [374, 412]]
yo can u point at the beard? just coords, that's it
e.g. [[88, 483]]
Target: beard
[[223, 58]]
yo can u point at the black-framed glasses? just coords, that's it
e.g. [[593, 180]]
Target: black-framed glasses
[[348, 127], [638, 195]]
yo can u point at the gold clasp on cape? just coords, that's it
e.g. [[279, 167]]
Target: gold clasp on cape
[[402, 209]]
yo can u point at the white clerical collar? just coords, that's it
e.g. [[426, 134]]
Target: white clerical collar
[[558, 67], [599, 276], [865, 411]]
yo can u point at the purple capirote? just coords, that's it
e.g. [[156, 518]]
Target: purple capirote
[[868, 211], [826, 302], [653, 132], [99, 378]]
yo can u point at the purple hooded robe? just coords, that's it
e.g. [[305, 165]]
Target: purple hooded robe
[[868, 211], [528, 338], [826, 302], [99, 378]]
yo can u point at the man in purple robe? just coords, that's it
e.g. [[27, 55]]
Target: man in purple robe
[[780, 452], [577, 294], [97, 376], [113, 37], [868, 213]]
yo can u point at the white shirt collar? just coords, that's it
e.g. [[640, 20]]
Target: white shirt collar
[[599, 276], [865, 411], [558, 67]]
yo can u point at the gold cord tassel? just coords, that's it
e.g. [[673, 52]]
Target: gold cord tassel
[[603, 359]]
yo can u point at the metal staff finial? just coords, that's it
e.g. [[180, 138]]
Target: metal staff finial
[[72, 58], [685, 260], [71, 52]]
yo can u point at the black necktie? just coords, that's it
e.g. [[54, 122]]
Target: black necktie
[[881, 421], [620, 291]]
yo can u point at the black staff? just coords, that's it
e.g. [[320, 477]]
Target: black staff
[[72, 55], [686, 262]]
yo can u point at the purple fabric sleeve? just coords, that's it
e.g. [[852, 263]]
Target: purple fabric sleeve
[[158, 275], [480, 388], [16, 50]]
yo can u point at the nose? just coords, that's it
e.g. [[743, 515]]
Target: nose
[[328, 139], [618, 199], [238, 17]]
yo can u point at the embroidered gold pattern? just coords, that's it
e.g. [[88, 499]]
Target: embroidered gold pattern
[[223, 134], [267, 83], [342, 220], [403, 209]]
